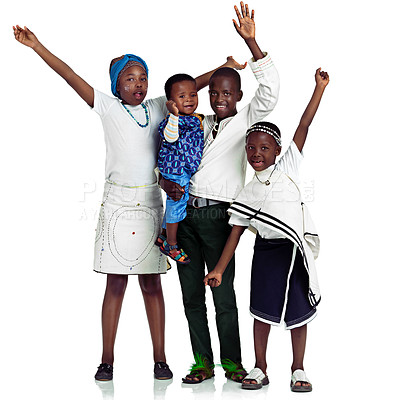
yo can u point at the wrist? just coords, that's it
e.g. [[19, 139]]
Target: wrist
[[219, 269], [173, 120], [37, 47], [35, 44], [254, 48], [251, 43], [320, 87], [251, 40]]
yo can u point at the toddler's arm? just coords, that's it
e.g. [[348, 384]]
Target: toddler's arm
[[214, 278], [171, 130], [27, 38], [322, 79], [203, 80]]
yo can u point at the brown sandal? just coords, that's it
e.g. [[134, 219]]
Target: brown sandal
[[234, 371], [200, 374], [237, 376]]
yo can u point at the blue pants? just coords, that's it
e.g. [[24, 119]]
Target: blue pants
[[176, 210]]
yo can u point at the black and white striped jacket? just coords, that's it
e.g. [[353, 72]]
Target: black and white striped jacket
[[277, 209]]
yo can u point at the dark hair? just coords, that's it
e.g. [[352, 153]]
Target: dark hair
[[259, 126], [229, 73], [175, 79]]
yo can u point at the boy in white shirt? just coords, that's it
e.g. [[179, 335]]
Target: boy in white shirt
[[217, 182]]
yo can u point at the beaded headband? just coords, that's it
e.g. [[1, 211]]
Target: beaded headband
[[130, 64], [258, 128]]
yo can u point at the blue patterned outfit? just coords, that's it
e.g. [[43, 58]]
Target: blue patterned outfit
[[179, 160]]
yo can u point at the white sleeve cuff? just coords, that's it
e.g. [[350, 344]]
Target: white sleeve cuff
[[258, 67]]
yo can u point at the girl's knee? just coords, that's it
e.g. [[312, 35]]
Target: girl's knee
[[116, 284], [150, 284]]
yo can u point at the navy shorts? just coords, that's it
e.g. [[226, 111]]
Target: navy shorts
[[279, 284]]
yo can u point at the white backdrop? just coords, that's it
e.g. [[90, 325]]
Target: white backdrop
[[52, 162]]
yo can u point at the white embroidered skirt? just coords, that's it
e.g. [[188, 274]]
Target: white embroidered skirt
[[128, 226]]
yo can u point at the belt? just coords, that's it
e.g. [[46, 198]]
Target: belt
[[128, 187], [198, 202]]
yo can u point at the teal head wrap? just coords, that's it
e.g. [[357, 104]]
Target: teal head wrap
[[119, 65]]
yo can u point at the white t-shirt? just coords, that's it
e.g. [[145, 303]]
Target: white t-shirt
[[131, 151]]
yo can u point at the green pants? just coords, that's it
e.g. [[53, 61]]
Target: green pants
[[203, 234]]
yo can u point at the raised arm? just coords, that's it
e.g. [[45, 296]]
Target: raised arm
[[171, 130], [203, 80], [247, 30], [266, 96], [27, 38], [322, 79], [214, 278]]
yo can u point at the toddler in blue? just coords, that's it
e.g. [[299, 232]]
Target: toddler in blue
[[180, 154]]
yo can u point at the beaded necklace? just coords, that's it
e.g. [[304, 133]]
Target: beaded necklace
[[146, 115], [215, 127], [267, 182]]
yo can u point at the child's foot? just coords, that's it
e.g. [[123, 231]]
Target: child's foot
[[174, 252], [162, 371], [299, 382], [104, 372], [160, 240], [234, 371], [256, 379], [198, 376]]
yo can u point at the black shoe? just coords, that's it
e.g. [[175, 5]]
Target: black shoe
[[104, 372], [162, 371]]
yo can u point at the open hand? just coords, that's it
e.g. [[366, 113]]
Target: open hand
[[213, 279], [172, 108], [25, 36], [246, 27], [231, 63], [322, 79]]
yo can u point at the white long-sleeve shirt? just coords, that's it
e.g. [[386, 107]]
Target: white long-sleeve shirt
[[221, 175]]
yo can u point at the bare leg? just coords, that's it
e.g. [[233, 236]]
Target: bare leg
[[261, 332], [112, 305], [154, 305], [171, 233], [175, 253], [298, 341]]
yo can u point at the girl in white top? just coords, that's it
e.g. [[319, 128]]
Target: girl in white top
[[131, 209], [270, 204]]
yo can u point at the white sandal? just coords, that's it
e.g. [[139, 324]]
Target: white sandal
[[257, 375], [300, 377]]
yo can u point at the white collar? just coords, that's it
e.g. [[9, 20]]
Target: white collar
[[265, 172]]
